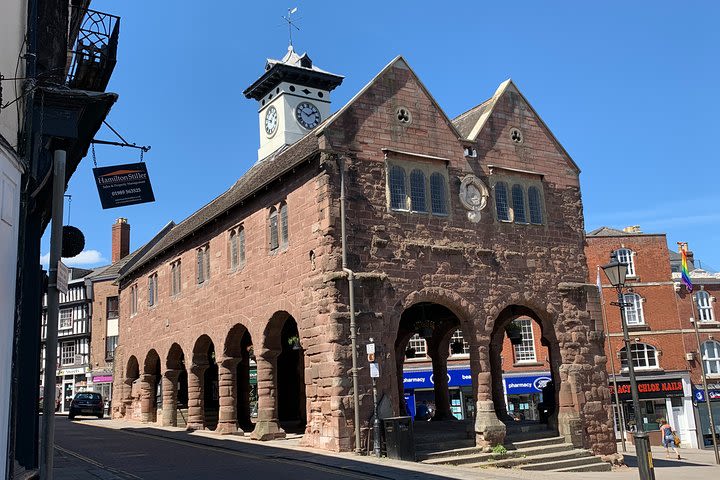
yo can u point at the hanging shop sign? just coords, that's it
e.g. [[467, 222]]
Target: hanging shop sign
[[699, 394], [650, 389], [122, 185]]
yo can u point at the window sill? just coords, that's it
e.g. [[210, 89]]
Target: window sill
[[639, 327], [708, 324], [527, 364]]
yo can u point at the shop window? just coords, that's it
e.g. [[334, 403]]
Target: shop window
[[644, 356], [66, 320], [411, 192], [525, 351], [704, 305], [625, 255], [710, 352], [634, 314]]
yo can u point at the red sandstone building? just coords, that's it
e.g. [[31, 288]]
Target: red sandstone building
[[664, 348], [466, 224]]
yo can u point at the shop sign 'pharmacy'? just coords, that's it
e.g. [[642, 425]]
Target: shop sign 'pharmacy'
[[122, 185]]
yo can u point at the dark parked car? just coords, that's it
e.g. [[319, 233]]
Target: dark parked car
[[87, 403]]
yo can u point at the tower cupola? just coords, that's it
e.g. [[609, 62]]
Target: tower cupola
[[293, 97]]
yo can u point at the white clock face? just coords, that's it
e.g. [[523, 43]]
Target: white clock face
[[307, 115], [271, 121]]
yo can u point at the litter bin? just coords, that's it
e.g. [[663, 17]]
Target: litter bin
[[399, 438]]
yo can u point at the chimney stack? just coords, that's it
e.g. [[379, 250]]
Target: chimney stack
[[120, 239]]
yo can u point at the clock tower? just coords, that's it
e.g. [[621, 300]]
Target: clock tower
[[293, 98]]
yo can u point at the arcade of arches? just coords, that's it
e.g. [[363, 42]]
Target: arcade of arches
[[241, 386]]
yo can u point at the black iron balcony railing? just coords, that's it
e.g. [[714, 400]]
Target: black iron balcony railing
[[94, 52]]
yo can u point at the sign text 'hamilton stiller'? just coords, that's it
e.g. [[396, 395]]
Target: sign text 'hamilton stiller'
[[122, 185]]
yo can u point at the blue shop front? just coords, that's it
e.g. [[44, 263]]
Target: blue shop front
[[522, 392]]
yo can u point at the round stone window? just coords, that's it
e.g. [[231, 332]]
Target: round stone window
[[516, 136], [403, 115]]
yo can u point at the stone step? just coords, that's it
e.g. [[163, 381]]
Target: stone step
[[590, 467], [581, 461], [432, 448], [532, 435], [526, 461], [536, 442], [465, 456]]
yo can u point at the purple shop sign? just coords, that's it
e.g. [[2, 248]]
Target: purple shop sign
[[103, 379]]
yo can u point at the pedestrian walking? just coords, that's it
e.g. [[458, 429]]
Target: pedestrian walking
[[669, 439]]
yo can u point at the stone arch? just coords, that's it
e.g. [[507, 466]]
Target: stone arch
[[237, 396], [456, 303], [203, 395], [175, 388], [150, 398], [503, 317], [132, 373]]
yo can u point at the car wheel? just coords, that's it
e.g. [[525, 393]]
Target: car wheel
[[101, 415], [71, 417]]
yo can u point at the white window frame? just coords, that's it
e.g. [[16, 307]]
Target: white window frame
[[646, 352], [634, 313], [710, 354], [67, 353], [419, 344], [457, 336], [704, 306], [525, 351], [65, 319], [625, 255]]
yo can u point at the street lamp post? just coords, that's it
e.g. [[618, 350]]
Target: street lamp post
[[616, 273]]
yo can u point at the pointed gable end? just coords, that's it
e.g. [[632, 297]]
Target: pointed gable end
[[508, 108], [394, 110]]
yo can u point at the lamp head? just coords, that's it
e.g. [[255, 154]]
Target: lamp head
[[615, 271]]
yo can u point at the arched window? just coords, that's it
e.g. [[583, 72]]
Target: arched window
[[233, 249], [283, 224], [273, 229], [397, 188], [705, 311], [710, 352], [438, 195], [518, 203], [643, 356], [241, 244], [417, 191], [625, 255], [634, 314], [534, 205], [501, 202]]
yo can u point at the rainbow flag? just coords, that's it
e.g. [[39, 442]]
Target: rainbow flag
[[684, 273]]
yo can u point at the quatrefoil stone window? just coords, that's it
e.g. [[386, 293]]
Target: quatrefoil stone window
[[516, 136], [403, 115]]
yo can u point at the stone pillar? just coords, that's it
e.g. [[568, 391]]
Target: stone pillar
[[196, 404], [439, 353], [569, 424], [148, 412], [169, 395], [126, 397], [267, 426], [227, 382], [489, 430]]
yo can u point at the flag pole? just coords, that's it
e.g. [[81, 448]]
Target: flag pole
[[704, 381], [612, 363]]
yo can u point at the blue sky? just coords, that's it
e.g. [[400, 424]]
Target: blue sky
[[629, 89]]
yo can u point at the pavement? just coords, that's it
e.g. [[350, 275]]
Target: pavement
[[285, 458]]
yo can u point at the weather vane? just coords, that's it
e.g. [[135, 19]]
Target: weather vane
[[290, 23]]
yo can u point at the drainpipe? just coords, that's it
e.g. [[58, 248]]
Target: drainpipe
[[351, 289]]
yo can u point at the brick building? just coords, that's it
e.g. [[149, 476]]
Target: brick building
[[463, 224], [664, 348]]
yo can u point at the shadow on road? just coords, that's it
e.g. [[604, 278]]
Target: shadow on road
[[631, 461]]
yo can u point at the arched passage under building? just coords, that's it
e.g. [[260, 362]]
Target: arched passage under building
[[525, 361], [132, 373], [150, 399], [175, 389], [203, 388], [236, 391], [291, 379], [432, 355]]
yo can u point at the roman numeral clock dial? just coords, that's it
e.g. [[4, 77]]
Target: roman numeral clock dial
[[307, 115], [271, 121]]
